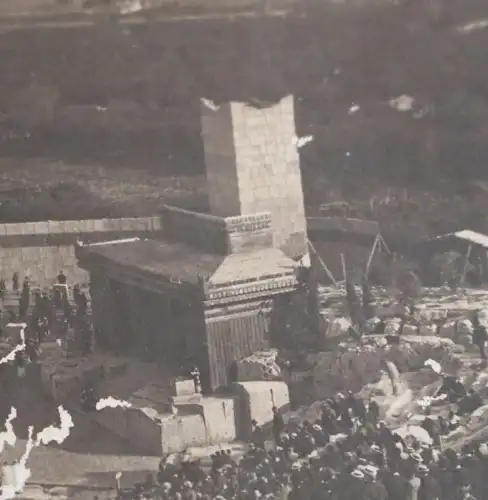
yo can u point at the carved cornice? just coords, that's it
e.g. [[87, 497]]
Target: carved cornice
[[248, 223], [248, 291], [217, 313]]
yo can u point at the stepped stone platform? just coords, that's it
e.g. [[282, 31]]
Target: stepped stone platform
[[165, 415]]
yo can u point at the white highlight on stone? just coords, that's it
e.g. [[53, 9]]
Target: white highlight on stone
[[56, 434], [11, 355], [111, 403], [299, 142], [209, 104], [474, 26], [434, 366], [19, 472], [402, 103], [130, 7], [353, 109], [8, 436]]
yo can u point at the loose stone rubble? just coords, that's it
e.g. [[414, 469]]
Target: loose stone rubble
[[262, 365]]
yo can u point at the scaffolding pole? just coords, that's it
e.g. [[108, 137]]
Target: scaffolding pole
[[322, 263]]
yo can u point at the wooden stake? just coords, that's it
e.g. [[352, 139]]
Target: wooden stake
[[322, 263], [384, 245], [466, 263], [371, 255], [343, 263], [394, 271]]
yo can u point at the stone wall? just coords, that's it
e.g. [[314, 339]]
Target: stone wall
[[40, 250]]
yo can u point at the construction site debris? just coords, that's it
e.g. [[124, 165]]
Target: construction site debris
[[262, 365]]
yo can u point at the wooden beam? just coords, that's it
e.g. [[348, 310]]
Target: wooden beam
[[343, 265], [322, 263], [466, 263], [383, 244], [371, 255]]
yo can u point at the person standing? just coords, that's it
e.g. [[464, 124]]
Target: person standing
[[480, 336], [278, 425], [412, 486], [62, 280], [24, 300], [15, 282]]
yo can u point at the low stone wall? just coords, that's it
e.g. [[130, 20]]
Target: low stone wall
[[256, 401], [40, 250], [221, 235]]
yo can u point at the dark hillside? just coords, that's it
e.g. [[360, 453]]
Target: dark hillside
[[147, 80]]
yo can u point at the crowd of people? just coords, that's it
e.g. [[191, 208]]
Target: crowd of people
[[349, 453], [46, 313]]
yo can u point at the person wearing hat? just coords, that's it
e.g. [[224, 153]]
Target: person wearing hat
[[351, 485], [329, 419], [258, 438], [320, 437], [412, 485], [278, 425], [479, 336], [373, 489], [373, 413], [465, 492], [429, 485]]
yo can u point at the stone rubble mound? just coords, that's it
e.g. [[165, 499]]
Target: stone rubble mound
[[261, 366], [350, 368]]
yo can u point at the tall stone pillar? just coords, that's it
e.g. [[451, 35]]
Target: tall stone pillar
[[253, 166]]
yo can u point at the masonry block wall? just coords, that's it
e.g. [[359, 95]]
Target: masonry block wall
[[40, 250], [220, 161], [252, 165]]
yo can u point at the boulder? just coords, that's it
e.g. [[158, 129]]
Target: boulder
[[464, 327], [352, 368], [410, 329], [371, 324], [427, 330], [260, 366], [448, 330], [338, 327], [392, 327]]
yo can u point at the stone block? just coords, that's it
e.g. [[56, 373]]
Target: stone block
[[182, 387], [410, 330], [54, 227], [427, 330], [15, 331], [187, 404], [41, 228], [99, 225], [64, 385], [256, 400], [448, 330], [14, 229]]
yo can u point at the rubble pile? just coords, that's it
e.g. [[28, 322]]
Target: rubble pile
[[261, 366], [350, 368]]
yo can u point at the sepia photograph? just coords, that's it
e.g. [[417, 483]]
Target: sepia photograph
[[243, 250]]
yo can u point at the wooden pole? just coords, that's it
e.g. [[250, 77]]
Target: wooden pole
[[466, 263], [343, 264], [384, 245], [394, 270], [322, 263], [371, 255]]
